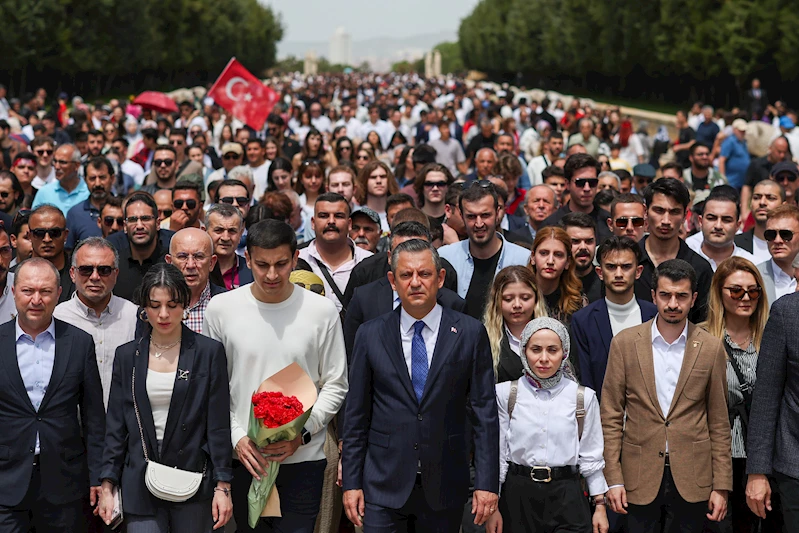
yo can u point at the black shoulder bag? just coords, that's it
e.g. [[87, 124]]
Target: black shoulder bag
[[332, 283], [740, 410]]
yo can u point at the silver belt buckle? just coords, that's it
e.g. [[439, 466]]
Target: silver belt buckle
[[545, 469]]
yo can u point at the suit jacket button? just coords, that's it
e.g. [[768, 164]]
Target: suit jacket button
[[184, 427], [419, 416], [30, 450], [39, 418], [668, 424], [416, 446], [180, 452], [660, 454]]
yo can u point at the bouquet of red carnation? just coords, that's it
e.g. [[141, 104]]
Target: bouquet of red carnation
[[280, 407]]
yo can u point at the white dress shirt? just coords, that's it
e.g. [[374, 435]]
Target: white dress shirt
[[115, 326], [544, 431], [696, 241], [667, 359], [341, 274], [36, 359], [783, 283], [760, 250], [432, 322], [514, 342]]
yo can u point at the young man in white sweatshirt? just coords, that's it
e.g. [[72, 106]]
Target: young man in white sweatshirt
[[265, 326]]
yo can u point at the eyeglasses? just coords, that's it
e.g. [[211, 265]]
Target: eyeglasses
[[771, 234], [163, 162], [190, 204], [362, 158], [103, 270], [737, 293], [54, 233], [345, 148], [43, 152], [61, 162], [623, 222], [483, 184], [228, 157], [581, 182], [143, 218], [177, 142], [238, 200], [109, 221], [783, 176], [184, 256], [434, 184]]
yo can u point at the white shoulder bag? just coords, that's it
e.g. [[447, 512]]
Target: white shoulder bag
[[165, 482]]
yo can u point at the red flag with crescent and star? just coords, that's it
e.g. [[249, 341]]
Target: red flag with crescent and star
[[239, 92]]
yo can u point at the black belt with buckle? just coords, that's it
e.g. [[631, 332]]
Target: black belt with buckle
[[545, 474], [36, 460]]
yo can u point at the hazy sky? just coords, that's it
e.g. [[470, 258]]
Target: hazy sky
[[315, 20]]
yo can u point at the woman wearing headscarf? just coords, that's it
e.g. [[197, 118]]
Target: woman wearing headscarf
[[547, 443]]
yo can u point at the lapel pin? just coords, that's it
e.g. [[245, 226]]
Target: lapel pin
[[453, 330], [183, 374], [696, 344]]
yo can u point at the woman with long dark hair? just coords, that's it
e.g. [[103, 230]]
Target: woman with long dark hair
[[313, 150], [278, 178], [343, 150], [405, 173]]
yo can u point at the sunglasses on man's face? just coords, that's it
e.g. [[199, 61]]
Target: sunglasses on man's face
[[239, 200], [228, 157], [4, 194], [109, 221], [771, 234], [782, 177], [87, 270], [163, 162], [581, 182], [43, 152], [54, 233], [623, 222], [737, 293], [190, 204]]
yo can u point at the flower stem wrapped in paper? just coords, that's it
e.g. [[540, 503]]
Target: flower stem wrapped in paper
[[280, 407]]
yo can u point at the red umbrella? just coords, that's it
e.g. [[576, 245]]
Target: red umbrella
[[156, 101]]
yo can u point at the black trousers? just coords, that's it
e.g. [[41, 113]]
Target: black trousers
[[788, 489], [668, 513], [416, 516], [300, 488], [559, 506], [36, 512]]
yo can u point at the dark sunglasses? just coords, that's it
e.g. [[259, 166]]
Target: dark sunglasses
[[771, 234], [109, 221], [166, 213], [592, 182], [623, 222], [737, 293], [4, 194], [781, 177], [239, 200], [54, 233], [483, 184], [103, 270], [143, 218], [314, 287], [44, 152], [190, 204], [362, 158], [160, 162], [434, 184], [228, 157]]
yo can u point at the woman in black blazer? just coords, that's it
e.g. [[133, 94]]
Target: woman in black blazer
[[181, 390]]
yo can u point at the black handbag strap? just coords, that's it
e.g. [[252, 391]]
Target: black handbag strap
[[746, 387], [329, 278]]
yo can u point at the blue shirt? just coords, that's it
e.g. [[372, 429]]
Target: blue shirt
[[460, 257], [737, 163], [82, 223], [35, 359], [706, 133], [54, 194]]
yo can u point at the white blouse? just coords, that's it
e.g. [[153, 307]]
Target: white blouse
[[543, 431], [159, 391]]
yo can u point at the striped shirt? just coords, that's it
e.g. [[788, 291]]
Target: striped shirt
[[747, 362]]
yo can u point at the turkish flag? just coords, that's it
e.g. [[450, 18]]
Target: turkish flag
[[242, 94]]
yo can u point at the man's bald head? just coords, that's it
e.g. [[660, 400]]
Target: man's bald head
[[191, 250], [484, 162]]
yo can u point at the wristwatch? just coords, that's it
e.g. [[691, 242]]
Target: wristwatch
[[599, 499], [305, 436]]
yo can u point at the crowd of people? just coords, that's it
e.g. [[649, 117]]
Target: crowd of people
[[519, 315]]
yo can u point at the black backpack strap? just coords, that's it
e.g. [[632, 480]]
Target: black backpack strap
[[329, 278]]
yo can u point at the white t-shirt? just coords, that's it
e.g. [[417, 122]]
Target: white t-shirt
[[259, 175]]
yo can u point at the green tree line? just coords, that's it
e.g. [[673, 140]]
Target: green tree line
[[679, 50], [96, 47]]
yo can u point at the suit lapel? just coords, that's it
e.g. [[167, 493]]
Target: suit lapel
[[11, 365], [140, 366], [393, 345], [63, 339], [643, 347], [447, 335], [603, 326], [182, 383], [692, 347]]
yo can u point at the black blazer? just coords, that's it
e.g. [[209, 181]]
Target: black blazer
[[376, 267], [509, 366], [746, 240], [70, 421], [387, 431], [197, 427], [375, 299]]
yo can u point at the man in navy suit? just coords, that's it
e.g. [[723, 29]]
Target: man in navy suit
[[417, 374], [378, 298], [593, 327], [51, 411]]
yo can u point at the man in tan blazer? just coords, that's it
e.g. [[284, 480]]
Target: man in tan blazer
[[669, 464]]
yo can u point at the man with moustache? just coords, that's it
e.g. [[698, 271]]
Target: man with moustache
[[628, 216], [112, 219], [82, 218], [767, 195], [365, 228], [224, 224], [110, 320], [7, 308], [11, 193], [332, 254], [582, 232], [68, 189], [48, 239], [192, 251]]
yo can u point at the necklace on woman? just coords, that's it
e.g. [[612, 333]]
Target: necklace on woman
[[163, 349]]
